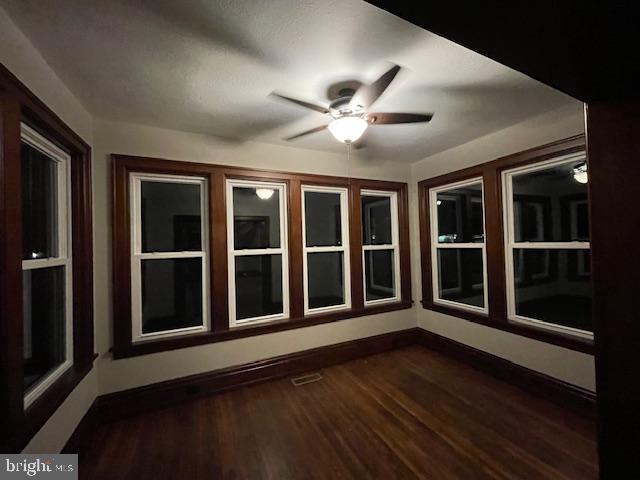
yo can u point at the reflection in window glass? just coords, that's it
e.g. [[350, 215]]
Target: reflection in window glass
[[39, 204], [43, 292], [461, 275], [170, 217], [549, 205], [171, 294], [326, 279], [554, 286], [322, 219], [258, 285], [460, 215], [376, 220], [256, 219], [379, 274]]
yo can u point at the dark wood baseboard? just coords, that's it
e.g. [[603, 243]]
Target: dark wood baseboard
[[163, 394], [126, 403], [562, 393]]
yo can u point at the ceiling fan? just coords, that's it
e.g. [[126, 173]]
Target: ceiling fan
[[349, 113]]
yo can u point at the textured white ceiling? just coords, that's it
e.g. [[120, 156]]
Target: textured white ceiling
[[208, 66]]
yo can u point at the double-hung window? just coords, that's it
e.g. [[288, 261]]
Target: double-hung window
[[46, 263], [258, 253], [169, 261], [380, 246], [547, 245], [458, 245], [325, 231], [205, 253]]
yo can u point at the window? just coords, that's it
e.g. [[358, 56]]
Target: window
[[506, 244], [258, 254], [327, 284], [169, 242], [205, 253], [380, 246], [547, 246], [46, 264], [458, 245]]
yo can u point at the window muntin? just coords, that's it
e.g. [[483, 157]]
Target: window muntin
[[325, 245], [257, 252], [46, 264], [547, 249], [169, 261], [458, 245], [380, 257]]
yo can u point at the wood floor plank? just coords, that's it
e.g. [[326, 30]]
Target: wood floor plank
[[408, 413]]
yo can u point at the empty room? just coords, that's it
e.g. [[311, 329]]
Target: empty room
[[280, 239]]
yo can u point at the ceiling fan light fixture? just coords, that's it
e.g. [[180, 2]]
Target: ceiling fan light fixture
[[580, 173], [348, 129], [264, 193]]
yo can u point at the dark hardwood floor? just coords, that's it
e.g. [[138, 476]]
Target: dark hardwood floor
[[409, 413]]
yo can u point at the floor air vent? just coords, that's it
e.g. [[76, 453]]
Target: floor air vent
[[304, 379]]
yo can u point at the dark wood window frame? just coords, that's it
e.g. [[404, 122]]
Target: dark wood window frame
[[491, 174], [18, 105], [217, 175]]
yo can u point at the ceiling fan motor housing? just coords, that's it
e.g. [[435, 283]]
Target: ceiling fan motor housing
[[341, 107]]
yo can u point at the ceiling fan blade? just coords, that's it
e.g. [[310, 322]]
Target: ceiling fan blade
[[391, 118], [307, 132], [368, 94], [302, 103]]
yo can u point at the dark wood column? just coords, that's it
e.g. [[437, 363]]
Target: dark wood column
[[613, 143]]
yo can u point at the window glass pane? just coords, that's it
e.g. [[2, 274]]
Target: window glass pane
[[379, 274], [554, 286], [376, 220], [256, 219], [325, 279], [550, 206], [39, 204], [171, 217], [322, 219], [258, 285], [171, 294], [461, 274], [43, 307], [460, 215]]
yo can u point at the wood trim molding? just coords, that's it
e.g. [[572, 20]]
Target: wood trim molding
[[490, 173], [114, 406], [123, 165], [19, 105], [163, 394], [614, 169], [557, 391]]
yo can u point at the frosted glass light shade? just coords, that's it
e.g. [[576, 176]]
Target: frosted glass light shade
[[348, 129], [580, 173], [264, 193]]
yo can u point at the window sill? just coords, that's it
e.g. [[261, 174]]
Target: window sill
[[39, 412], [501, 323], [161, 345]]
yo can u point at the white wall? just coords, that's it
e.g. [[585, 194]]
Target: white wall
[[114, 137], [25, 62], [573, 367], [20, 57]]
